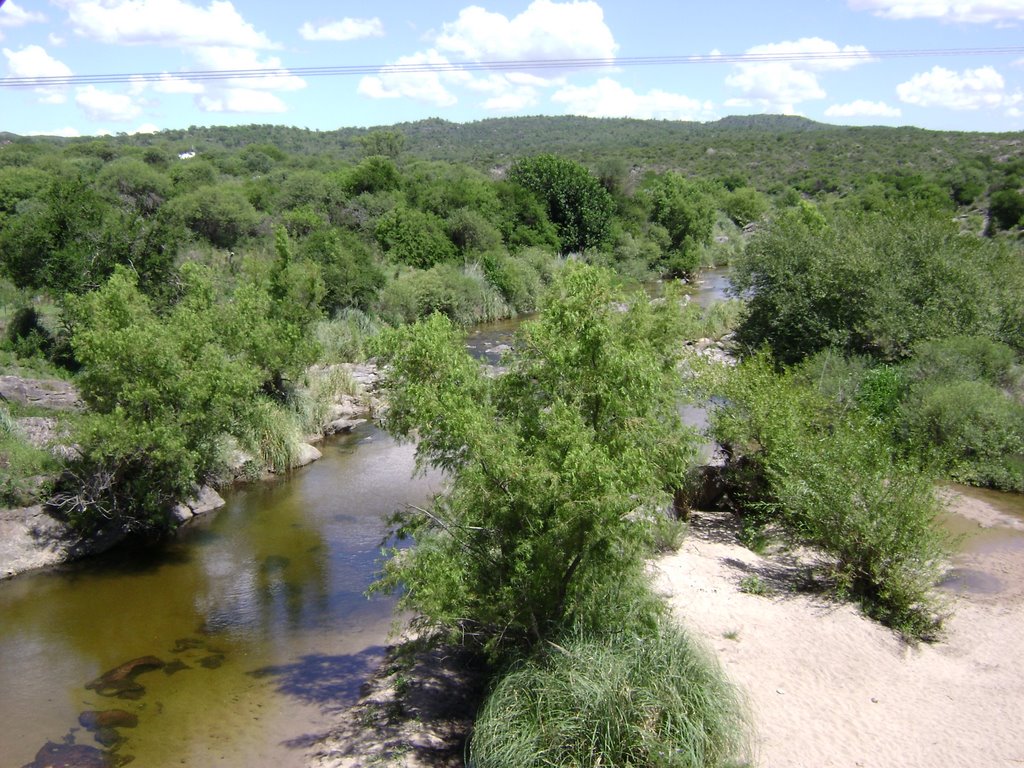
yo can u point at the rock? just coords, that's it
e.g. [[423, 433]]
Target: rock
[[306, 454], [93, 720], [181, 513], [206, 500], [70, 756], [45, 393], [120, 681], [342, 425]]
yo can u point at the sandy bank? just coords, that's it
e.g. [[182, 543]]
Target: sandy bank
[[829, 687]]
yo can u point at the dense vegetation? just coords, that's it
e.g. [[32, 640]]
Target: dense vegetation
[[188, 280]]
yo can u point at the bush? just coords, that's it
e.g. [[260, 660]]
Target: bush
[[464, 297], [545, 462], [871, 283], [617, 699], [414, 238], [976, 429], [833, 479]]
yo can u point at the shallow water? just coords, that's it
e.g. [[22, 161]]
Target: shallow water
[[257, 611]]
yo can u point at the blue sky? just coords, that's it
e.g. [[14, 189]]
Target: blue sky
[[862, 84]]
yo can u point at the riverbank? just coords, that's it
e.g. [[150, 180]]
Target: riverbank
[[829, 687], [826, 686], [32, 538]]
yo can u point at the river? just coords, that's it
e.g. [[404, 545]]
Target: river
[[257, 613]]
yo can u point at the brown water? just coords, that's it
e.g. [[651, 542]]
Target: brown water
[[258, 611]]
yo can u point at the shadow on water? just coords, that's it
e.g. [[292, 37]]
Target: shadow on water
[[332, 683]]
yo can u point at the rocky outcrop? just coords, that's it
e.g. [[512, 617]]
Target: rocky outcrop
[[52, 394]]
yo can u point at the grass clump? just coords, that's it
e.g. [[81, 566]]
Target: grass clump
[[614, 699], [272, 433]]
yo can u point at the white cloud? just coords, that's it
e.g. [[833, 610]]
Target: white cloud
[[862, 108], [775, 87], [981, 88], [13, 15], [608, 98], [815, 53], [227, 58], [171, 84], [967, 11], [513, 101], [778, 86], [33, 61], [55, 40], [427, 85], [344, 30], [242, 100], [545, 30], [104, 105], [163, 22]]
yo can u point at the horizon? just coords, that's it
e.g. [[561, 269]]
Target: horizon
[[96, 67]]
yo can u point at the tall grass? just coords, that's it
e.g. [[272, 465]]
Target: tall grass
[[312, 403], [346, 338], [272, 433], [640, 699]]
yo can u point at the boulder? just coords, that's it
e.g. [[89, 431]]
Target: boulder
[[205, 500], [93, 720], [306, 454], [342, 425], [44, 393]]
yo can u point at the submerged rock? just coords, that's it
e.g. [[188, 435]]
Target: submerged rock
[[94, 720], [120, 681], [70, 756]]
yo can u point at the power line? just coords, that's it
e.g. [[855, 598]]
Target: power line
[[503, 66]]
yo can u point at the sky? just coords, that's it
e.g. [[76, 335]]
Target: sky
[[828, 60]]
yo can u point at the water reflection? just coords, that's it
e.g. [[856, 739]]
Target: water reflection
[[240, 612]]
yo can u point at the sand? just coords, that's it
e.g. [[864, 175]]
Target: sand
[[827, 686]]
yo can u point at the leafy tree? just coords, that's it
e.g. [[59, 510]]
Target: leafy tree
[[221, 214], [579, 207], [385, 143], [134, 183], [546, 463], [832, 478], [1006, 207], [161, 391], [350, 273], [413, 237], [870, 283], [686, 209], [374, 174]]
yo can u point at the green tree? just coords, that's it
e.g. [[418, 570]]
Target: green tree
[[161, 391], [220, 214], [413, 237], [579, 207], [687, 210], [546, 463]]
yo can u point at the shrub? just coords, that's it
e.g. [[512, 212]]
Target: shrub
[[546, 462], [463, 296], [976, 429], [833, 479], [414, 238]]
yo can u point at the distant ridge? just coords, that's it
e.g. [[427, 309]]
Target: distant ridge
[[768, 151]]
